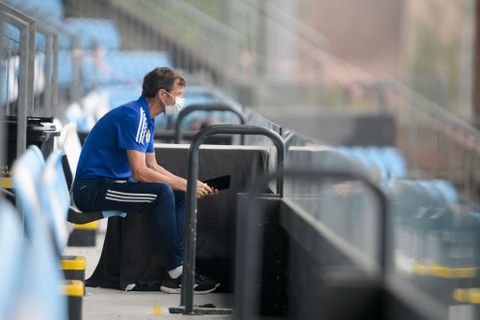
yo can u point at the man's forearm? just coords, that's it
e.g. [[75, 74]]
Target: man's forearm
[[164, 176], [163, 171]]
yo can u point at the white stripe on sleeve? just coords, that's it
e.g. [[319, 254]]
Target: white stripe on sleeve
[[140, 125]]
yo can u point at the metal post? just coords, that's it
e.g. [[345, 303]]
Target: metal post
[[51, 69], [47, 107], [54, 98], [31, 69], [191, 199], [22, 105], [209, 107]]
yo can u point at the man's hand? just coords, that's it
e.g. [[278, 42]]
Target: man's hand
[[204, 190]]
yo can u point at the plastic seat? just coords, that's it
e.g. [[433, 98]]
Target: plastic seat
[[40, 285], [55, 198], [447, 190], [394, 157], [122, 67], [12, 253], [91, 32]]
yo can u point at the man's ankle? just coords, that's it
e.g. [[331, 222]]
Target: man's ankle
[[176, 272]]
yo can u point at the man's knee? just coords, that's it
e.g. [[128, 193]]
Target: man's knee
[[164, 191]]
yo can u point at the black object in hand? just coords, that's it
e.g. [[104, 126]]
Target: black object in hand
[[219, 183]]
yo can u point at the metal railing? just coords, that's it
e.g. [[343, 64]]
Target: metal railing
[[249, 241], [191, 200], [202, 107], [436, 143], [24, 103]]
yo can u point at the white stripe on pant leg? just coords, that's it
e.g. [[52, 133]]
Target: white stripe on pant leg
[[129, 200], [150, 195], [131, 196]]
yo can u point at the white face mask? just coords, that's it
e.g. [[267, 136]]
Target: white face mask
[[174, 108]]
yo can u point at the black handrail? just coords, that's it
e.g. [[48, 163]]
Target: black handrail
[[205, 107], [245, 300], [191, 199]]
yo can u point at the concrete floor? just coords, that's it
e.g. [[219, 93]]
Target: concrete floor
[[109, 304]]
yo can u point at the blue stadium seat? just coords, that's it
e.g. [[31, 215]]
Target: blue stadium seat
[[447, 191], [41, 284], [55, 198], [12, 253], [65, 69], [121, 67], [93, 32], [387, 161], [120, 94], [398, 166]]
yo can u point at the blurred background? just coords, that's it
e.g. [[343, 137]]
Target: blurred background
[[312, 51]]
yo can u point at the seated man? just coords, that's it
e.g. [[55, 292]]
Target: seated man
[[118, 170]]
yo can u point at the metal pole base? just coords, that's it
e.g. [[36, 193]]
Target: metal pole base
[[201, 310]]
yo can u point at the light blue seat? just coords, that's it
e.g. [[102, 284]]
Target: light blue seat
[[447, 191], [398, 166], [90, 32], [378, 162], [65, 71], [55, 198], [121, 67], [43, 277], [388, 161], [12, 253], [120, 94]]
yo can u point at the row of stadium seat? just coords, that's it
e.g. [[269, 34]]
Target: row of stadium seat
[[115, 74], [108, 68], [419, 206], [389, 164], [90, 34], [36, 277], [434, 234], [113, 68]]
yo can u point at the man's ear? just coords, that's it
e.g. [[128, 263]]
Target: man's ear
[[159, 93]]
